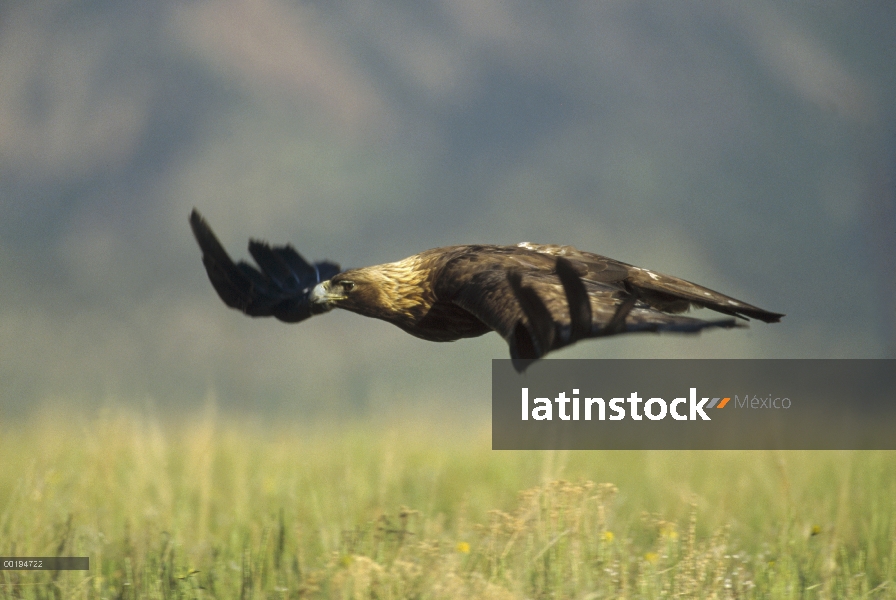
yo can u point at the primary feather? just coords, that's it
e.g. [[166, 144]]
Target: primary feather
[[537, 297]]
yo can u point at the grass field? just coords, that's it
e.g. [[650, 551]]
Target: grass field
[[218, 506]]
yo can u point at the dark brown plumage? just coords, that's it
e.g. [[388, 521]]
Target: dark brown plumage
[[537, 297]]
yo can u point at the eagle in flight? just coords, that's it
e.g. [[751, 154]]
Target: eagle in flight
[[538, 297]]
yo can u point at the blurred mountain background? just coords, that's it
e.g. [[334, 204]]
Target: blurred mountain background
[[746, 146]]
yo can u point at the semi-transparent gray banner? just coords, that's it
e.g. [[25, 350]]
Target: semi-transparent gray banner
[[695, 405]]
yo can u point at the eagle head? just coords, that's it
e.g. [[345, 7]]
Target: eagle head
[[392, 292], [352, 290]]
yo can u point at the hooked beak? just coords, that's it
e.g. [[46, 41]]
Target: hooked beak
[[322, 298]]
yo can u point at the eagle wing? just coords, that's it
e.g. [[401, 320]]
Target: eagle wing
[[542, 298], [663, 292], [279, 287]]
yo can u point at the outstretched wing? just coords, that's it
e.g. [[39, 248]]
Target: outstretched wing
[[663, 292], [279, 289], [540, 300]]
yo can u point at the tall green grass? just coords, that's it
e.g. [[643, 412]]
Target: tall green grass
[[223, 507]]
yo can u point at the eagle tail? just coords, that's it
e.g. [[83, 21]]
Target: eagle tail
[[280, 288], [641, 310], [665, 292]]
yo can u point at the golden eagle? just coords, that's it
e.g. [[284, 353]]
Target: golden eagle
[[538, 297]]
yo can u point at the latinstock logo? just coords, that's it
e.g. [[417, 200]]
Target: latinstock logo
[[690, 404], [655, 409]]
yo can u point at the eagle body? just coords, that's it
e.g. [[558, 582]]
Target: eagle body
[[538, 297]]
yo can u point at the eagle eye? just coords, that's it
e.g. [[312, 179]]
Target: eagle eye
[[347, 285]]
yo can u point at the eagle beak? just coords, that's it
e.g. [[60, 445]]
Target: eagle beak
[[322, 297]]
